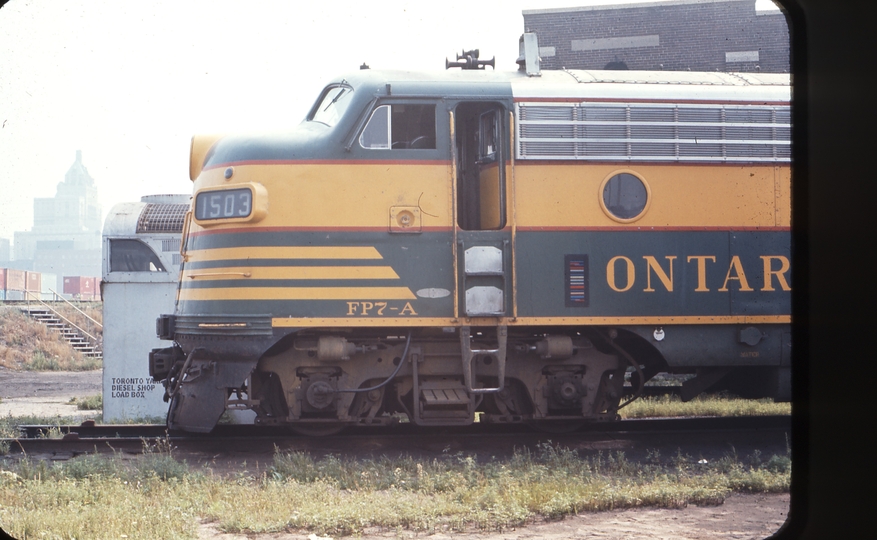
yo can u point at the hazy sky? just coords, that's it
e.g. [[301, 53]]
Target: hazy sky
[[129, 83]]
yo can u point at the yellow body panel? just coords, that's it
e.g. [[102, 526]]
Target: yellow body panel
[[548, 194], [568, 195], [783, 194], [344, 195], [489, 199]]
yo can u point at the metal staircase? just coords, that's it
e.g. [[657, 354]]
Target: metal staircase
[[78, 338]]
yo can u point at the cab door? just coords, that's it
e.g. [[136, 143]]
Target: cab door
[[482, 231]]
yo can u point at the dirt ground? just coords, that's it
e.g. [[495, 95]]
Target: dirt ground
[[739, 517], [47, 393]]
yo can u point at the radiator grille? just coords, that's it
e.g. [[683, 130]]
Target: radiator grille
[[157, 218], [654, 132]]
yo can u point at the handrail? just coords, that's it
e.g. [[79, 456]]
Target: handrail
[[74, 307], [68, 321]]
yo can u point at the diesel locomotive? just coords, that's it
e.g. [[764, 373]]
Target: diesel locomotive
[[471, 243]]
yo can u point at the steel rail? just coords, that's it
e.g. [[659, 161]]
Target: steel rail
[[89, 431]]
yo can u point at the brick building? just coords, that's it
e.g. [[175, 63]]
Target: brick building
[[681, 35]]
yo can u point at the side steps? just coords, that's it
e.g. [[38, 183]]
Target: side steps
[[445, 400], [469, 354]]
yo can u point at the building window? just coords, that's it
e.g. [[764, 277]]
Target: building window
[[133, 256]]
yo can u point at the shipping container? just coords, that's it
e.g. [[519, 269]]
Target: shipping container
[[2, 279], [15, 280], [79, 286], [33, 282], [14, 295]]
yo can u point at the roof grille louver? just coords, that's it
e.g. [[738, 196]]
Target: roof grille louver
[[654, 132], [158, 218]]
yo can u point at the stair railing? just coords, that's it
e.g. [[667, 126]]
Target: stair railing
[[94, 341], [74, 306]]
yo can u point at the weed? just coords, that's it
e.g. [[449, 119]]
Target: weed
[[778, 464], [90, 466], [53, 432], [721, 404], [158, 461], [40, 362], [30, 469], [90, 403]]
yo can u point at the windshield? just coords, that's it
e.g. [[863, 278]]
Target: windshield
[[334, 102]]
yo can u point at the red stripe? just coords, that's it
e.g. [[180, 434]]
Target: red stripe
[[548, 229], [522, 161], [645, 100], [308, 229], [330, 162], [638, 228], [532, 161]]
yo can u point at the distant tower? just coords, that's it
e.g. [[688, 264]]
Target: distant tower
[[66, 234]]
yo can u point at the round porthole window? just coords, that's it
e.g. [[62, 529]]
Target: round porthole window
[[624, 196]]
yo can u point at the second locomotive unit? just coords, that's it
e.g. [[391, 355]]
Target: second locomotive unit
[[466, 243]]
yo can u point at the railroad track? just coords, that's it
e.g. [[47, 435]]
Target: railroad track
[[632, 436]]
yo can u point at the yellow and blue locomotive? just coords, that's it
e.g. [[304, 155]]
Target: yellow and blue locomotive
[[437, 245]]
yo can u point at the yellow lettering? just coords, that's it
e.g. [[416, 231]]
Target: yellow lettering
[[381, 307], [780, 274], [652, 264], [737, 267], [408, 309], [701, 270], [351, 307], [366, 306], [610, 273]]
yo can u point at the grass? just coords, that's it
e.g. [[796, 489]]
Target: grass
[[89, 403], [158, 496], [703, 405], [27, 345]]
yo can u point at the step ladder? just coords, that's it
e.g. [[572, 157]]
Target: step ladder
[[446, 400]]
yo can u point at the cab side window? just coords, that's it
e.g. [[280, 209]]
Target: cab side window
[[400, 126], [376, 134], [488, 135]]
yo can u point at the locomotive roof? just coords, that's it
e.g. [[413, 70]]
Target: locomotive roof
[[315, 140], [580, 84]]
